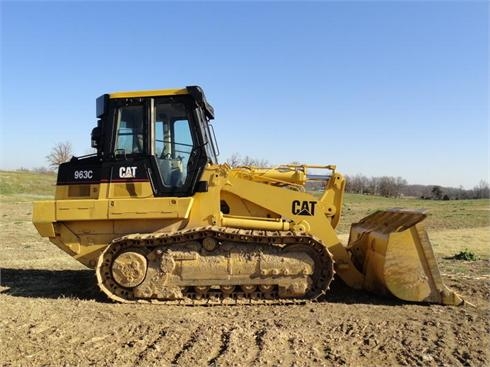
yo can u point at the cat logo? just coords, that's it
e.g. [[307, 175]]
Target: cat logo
[[303, 207], [127, 172]]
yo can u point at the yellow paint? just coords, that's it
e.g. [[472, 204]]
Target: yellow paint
[[148, 93], [397, 257], [43, 217], [149, 208]]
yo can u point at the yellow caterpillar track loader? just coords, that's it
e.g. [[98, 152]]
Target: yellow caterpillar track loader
[[161, 221]]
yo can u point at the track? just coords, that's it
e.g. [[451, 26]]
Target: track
[[214, 265]]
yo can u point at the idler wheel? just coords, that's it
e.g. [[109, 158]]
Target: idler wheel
[[129, 269]]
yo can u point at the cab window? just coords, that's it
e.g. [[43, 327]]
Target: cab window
[[130, 128], [173, 143]]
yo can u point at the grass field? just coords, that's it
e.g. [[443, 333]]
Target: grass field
[[453, 214], [453, 226], [26, 186]]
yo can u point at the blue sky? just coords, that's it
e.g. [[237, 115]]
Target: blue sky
[[378, 88]]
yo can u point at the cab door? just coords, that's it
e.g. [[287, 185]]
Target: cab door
[[177, 158]]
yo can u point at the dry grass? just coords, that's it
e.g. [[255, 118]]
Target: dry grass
[[25, 186], [443, 215], [452, 241]]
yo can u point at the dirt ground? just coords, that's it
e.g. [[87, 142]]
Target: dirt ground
[[53, 314]]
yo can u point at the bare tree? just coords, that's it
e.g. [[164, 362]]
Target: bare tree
[[60, 153], [236, 161], [390, 186], [482, 190], [357, 184], [384, 186]]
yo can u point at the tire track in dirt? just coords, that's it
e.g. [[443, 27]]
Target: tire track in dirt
[[274, 345], [186, 346], [134, 341], [241, 347], [225, 343], [204, 347], [166, 346], [259, 342], [148, 344], [153, 346]]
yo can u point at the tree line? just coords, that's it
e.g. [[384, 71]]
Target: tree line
[[397, 186], [381, 186], [236, 160]]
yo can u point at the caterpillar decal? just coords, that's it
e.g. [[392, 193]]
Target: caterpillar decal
[[304, 207]]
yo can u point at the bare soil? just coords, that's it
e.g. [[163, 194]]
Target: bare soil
[[53, 314]]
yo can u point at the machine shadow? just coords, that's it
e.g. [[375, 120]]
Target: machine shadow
[[81, 284], [340, 293], [41, 283]]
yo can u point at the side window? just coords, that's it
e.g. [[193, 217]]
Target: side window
[[172, 143], [130, 127]]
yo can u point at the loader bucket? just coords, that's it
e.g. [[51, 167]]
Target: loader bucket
[[392, 249]]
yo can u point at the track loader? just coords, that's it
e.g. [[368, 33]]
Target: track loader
[[159, 220]]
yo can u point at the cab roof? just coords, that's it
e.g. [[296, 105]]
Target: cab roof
[[195, 91], [148, 93]]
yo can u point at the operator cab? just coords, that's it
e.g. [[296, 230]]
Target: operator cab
[[161, 136]]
